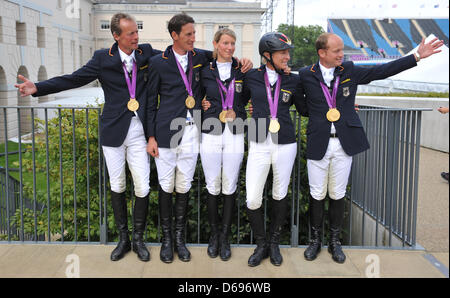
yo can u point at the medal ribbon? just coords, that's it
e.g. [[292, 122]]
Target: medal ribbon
[[187, 81], [331, 100], [228, 103], [273, 104], [131, 85]]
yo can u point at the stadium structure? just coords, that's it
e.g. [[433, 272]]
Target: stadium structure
[[377, 41]]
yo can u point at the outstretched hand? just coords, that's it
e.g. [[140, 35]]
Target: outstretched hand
[[27, 87], [427, 49]]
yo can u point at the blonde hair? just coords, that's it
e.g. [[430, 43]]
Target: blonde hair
[[218, 36]]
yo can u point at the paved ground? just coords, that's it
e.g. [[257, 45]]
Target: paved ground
[[33, 260], [433, 202]]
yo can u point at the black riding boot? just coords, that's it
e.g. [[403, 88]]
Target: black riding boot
[[228, 206], [140, 218], [165, 214], [279, 210], [256, 218], [336, 213], [181, 203], [316, 209], [119, 206], [213, 218]]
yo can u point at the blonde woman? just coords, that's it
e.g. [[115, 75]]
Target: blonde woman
[[222, 145]]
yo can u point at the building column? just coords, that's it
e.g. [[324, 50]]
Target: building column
[[256, 38], [239, 45], [209, 35]]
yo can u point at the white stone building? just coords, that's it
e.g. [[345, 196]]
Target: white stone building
[[41, 39]]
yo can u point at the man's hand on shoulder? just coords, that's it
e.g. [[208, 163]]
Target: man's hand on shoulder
[[246, 63]]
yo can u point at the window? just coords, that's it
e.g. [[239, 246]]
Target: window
[[140, 25], [104, 25], [72, 52], [1, 30], [41, 37], [21, 33], [81, 56], [90, 23], [80, 20], [61, 55]]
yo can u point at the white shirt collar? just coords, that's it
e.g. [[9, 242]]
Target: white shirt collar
[[327, 74], [224, 69], [124, 56], [183, 59], [325, 70], [273, 75]]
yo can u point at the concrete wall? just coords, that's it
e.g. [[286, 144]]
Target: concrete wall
[[40, 40], [435, 126], [371, 236]]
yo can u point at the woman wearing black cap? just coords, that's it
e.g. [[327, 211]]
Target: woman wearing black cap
[[272, 92]]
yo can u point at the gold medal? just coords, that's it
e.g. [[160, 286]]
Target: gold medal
[[333, 115], [190, 102], [133, 105], [274, 126], [230, 116], [223, 116]]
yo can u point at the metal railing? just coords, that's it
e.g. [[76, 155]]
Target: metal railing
[[385, 178], [62, 185]]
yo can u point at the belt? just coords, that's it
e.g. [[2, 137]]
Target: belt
[[190, 123], [333, 135]]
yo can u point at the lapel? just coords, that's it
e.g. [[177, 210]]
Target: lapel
[[138, 55], [169, 56], [317, 73], [114, 57], [234, 69], [214, 70], [338, 71]]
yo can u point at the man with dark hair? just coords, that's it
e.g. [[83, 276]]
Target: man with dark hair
[[123, 74], [335, 132], [173, 126]]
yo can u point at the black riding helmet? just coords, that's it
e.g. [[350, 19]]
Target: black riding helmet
[[272, 42]]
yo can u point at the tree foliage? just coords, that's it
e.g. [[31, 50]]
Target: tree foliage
[[78, 213], [303, 39]]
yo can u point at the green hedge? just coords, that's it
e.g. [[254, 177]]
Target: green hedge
[[51, 212]]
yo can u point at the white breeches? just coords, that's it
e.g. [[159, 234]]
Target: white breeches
[[260, 157], [330, 173], [133, 151], [176, 166], [222, 157]]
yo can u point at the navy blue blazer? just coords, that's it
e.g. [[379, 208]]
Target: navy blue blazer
[[290, 92], [167, 88], [349, 127], [106, 66], [209, 74]]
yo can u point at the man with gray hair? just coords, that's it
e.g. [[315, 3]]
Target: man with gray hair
[[123, 73]]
